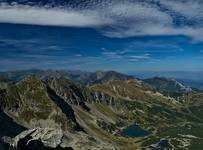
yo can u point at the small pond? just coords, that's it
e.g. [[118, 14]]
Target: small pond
[[134, 131], [165, 143]]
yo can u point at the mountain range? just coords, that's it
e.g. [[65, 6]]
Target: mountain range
[[50, 109]]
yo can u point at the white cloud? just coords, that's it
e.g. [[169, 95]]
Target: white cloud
[[50, 16], [116, 19]]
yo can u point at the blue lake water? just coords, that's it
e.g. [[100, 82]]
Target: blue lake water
[[134, 131]]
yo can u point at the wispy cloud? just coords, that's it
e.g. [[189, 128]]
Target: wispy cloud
[[116, 18], [78, 55], [125, 55], [112, 55], [153, 46], [140, 57]]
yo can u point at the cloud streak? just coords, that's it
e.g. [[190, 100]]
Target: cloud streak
[[118, 19]]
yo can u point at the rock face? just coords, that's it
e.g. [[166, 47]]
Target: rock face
[[67, 90], [77, 95], [38, 138], [53, 139]]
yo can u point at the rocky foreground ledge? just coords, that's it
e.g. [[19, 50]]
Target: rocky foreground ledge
[[53, 139]]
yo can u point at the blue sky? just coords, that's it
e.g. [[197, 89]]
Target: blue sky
[[130, 35]]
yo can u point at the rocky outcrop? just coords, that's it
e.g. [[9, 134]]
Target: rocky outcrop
[[98, 97], [39, 138], [53, 139]]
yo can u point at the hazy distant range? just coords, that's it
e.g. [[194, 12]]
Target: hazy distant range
[[191, 78]]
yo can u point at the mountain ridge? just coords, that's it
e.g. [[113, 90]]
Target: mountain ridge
[[100, 110]]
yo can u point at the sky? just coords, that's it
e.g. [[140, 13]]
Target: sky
[[121, 35]]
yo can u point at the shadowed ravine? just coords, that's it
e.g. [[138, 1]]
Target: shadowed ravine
[[5, 122], [65, 107]]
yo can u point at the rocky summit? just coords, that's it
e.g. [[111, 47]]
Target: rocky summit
[[75, 110]]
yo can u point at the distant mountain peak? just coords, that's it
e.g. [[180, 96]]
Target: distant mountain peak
[[81, 77], [164, 84]]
